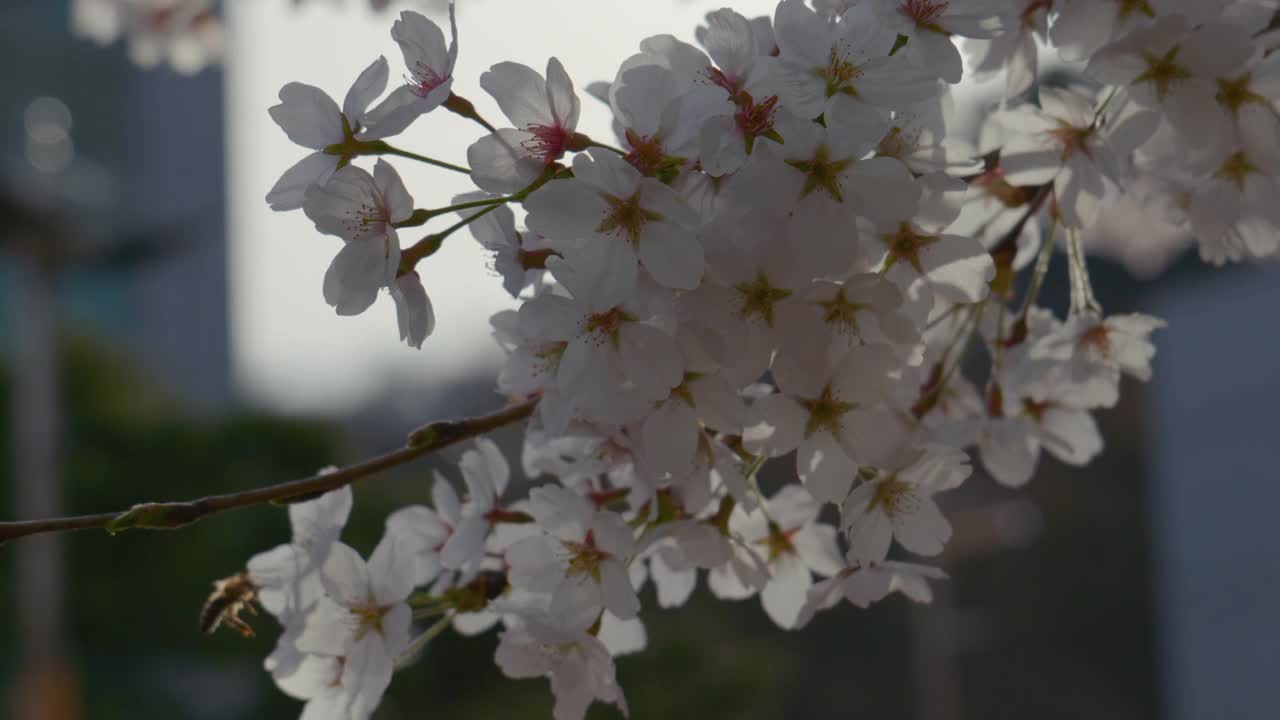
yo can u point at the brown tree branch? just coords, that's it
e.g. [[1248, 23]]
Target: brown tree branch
[[172, 515]]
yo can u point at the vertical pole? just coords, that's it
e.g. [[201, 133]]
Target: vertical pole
[[46, 685]]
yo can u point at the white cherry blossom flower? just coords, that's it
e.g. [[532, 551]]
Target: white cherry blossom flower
[[545, 115], [430, 63], [898, 504], [786, 533], [425, 530], [929, 26], [580, 559], [844, 71], [577, 663], [363, 619], [1066, 142], [609, 202], [313, 120]]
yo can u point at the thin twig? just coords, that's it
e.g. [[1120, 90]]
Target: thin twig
[[172, 515]]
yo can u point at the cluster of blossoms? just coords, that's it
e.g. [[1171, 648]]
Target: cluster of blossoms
[[787, 254]]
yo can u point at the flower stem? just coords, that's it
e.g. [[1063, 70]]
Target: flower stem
[[415, 648], [379, 147], [430, 244]]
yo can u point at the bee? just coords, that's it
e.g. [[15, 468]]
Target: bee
[[230, 596]]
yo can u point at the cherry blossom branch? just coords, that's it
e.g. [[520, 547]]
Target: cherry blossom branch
[[172, 515], [378, 147], [422, 215]]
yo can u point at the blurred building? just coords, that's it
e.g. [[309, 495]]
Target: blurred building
[[1215, 422], [136, 191]]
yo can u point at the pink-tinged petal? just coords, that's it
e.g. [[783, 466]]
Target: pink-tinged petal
[[366, 674], [825, 468], [613, 535], [520, 657], [354, 277], [367, 87], [565, 211], [793, 507], [619, 597], [622, 637], [818, 549], [1072, 436], [327, 630], [394, 195], [670, 437], [422, 42], [487, 461], [310, 676], [534, 565], [320, 520], [784, 595], [564, 102], [308, 116], [729, 41], [959, 268], [672, 256], [870, 535], [414, 313], [650, 358], [674, 586], [938, 53], [391, 569], [400, 108], [445, 500], [521, 94], [290, 191], [465, 547], [346, 576], [1008, 452], [501, 165], [924, 532]]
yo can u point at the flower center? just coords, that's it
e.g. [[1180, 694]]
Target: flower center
[[584, 557], [1163, 71], [425, 79], [841, 314], [369, 219], [1233, 94], [1236, 170], [839, 74], [1072, 139], [548, 142], [759, 297], [755, 119], [924, 13], [625, 216], [607, 325], [778, 541], [369, 618], [895, 497], [1098, 338], [905, 246], [825, 411], [1035, 409], [821, 172]]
